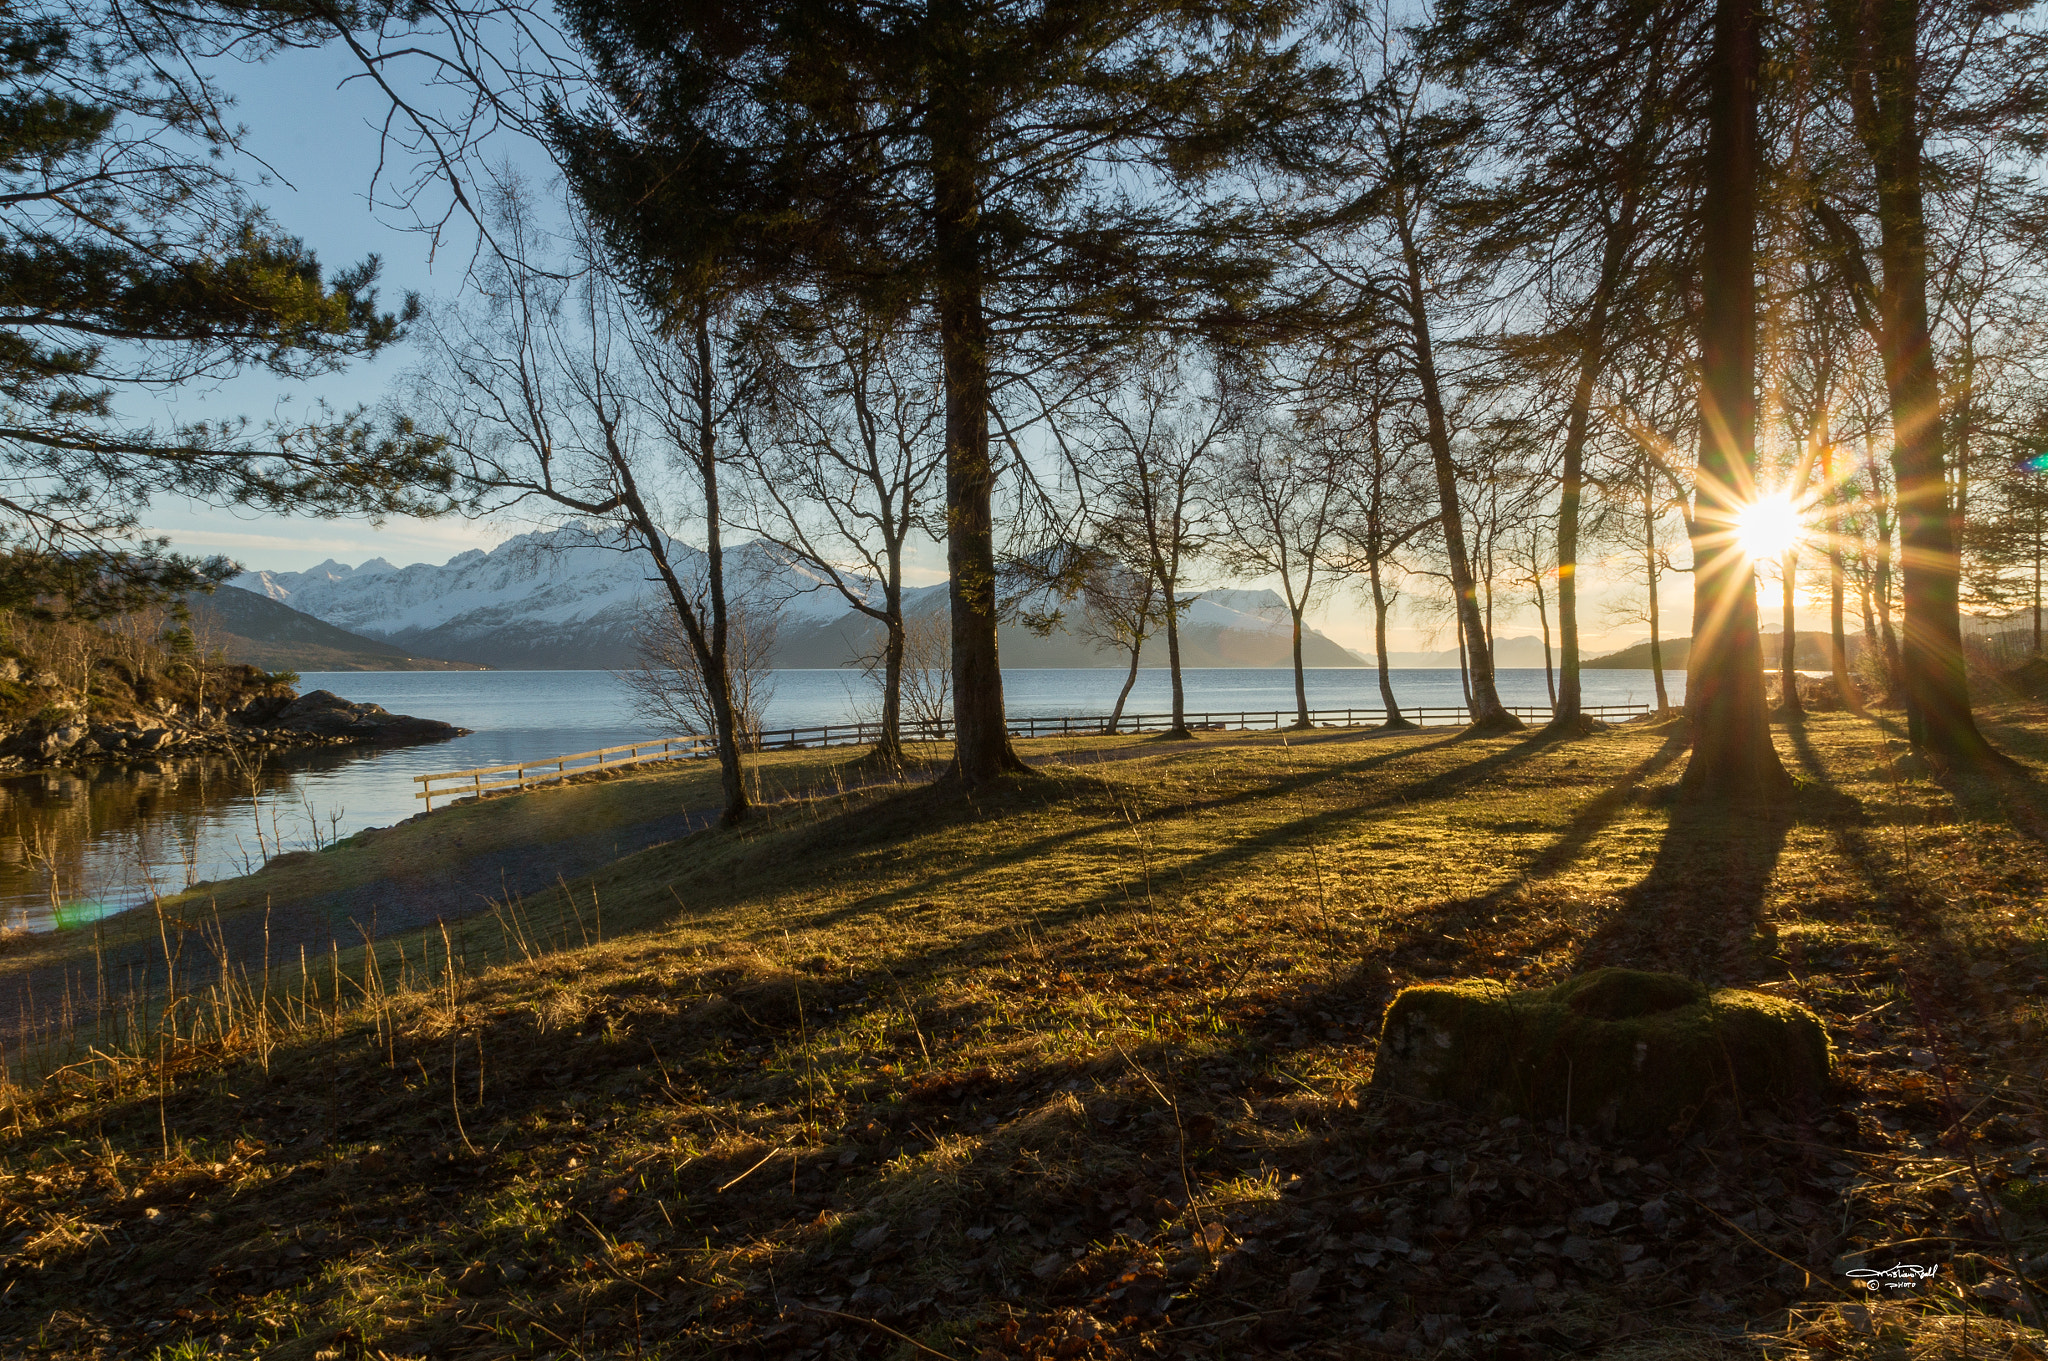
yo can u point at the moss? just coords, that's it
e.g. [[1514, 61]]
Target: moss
[[1626, 1050]]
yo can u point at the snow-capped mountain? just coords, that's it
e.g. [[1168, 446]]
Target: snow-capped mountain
[[558, 599], [568, 599]]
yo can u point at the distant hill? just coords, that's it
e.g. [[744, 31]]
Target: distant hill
[[261, 632], [1812, 654], [1637, 657], [1221, 628], [567, 599], [1523, 650]]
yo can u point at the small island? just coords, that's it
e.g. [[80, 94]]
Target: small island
[[139, 686]]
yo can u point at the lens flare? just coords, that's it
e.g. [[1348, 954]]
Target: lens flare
[[2038, 463], [1767, 527]]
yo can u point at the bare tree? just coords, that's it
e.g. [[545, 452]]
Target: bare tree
[[1532, 564], [927, 681], [669, 683], [1413, 147], [844, 476], [1283, 498], [1388, 504], [1651, 419], [1156, 440], [1120, 602], [554, 388]]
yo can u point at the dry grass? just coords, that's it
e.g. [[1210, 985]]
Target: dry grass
[[1075, 1068]]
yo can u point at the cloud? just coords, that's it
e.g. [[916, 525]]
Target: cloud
[[299, 549]]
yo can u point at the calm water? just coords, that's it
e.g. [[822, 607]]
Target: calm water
[[74, 846]]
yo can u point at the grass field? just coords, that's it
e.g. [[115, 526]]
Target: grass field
[[1075, 1067]]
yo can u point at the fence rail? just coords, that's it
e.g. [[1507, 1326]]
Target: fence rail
[[526, 774], [530, 773], [1097, 725]]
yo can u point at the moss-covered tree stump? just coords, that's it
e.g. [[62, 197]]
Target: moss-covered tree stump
[[1620, 1049]]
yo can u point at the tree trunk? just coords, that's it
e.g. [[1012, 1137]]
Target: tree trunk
[[1884, 622], [1300, 680], [890, 748], [1179, 729], [982, 749], [1464, 665], [1483, 698], [1732, 756], [1543, 618], [1838, 637], [1130, 679], [1788, 666], [716, 661], [2037, 581], [1379, 645], [1938, 713], [1650, 575], [1567, 700]]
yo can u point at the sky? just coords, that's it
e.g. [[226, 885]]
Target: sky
[[317, 133]]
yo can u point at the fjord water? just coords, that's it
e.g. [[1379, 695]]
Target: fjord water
[[76, 845]]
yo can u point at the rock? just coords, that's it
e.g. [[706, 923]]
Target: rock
[[1627, 1050], [10, 669], [60, 740], [265, 708], [322, 713]]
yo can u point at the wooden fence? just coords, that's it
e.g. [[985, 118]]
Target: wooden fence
[[529, 773]]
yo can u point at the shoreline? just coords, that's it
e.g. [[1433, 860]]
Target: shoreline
[[266, 724]]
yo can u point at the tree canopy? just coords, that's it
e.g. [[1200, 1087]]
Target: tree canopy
[[133, 261]]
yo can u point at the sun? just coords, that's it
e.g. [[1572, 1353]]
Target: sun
[[1766, 527]]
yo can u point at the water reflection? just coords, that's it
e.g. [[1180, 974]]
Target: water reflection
[[76, 845]]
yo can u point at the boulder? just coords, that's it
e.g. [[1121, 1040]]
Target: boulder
[[1627, 1051], [265, 708], [61, 740]]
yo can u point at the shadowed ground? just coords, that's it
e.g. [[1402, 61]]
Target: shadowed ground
[[1075, 1067]]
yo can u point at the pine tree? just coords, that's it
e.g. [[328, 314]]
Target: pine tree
[[1030, 176], [1878, 47], [132, 262], [1733, 758]]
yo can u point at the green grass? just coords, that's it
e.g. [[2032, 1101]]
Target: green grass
[[1074, 1066]]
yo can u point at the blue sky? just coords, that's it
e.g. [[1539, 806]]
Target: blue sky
[[318, 133], [320, 138]]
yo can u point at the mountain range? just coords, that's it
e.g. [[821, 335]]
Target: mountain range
[[565, 599], [262, 632]]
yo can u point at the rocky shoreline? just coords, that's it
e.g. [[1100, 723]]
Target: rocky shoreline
[[271, 722]]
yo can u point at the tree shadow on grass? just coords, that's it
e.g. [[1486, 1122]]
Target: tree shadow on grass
[[1698, 912], [1206, 867], [2003, 790], [1427, 936]]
